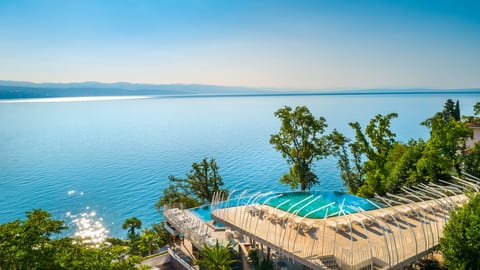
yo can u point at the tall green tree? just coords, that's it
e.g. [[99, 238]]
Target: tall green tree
[[196, 189], [457, 115], [460, 243], [350, 161], [300, 140], [374, 146], [445, 149], [217, 257], [131, 224]]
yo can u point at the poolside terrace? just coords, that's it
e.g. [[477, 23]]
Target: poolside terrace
[[193, 228], [401, 230]]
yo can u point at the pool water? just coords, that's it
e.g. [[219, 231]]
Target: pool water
[[313, 200], [291, 202], [204, 213]]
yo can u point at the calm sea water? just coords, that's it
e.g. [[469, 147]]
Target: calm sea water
[[100, 162]]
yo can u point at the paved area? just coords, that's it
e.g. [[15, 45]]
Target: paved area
[[384, 237]]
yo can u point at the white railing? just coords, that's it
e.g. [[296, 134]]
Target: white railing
[[180, 260]]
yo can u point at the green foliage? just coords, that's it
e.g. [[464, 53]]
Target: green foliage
[[352, 175], [74, 256], [196, 189], [476, 109], [177, 194], [445, 150], [461, 237], [475, 118], [366, 163], [254, 258], [402, 165], [131, 224], [300, 142], [472, 161], [376, 163], [23, 242], [266, 264], [34, 243], [217, 257], [151, 240], [375, 144], [257, 263], [148, 242]]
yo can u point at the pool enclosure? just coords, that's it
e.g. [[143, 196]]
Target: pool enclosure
[[334, 230]]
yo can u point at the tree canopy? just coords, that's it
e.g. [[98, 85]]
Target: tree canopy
[[375, 162], [131, 224], [472, 161], [364, 163], [445, 149], [196, 189], [35, 243], [300, 141], [460, 243]]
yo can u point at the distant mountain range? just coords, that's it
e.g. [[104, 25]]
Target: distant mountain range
[[17, 89]]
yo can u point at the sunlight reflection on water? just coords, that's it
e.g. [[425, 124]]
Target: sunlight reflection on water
[[89, 229]]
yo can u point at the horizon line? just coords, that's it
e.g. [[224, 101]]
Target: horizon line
[[393, 88]]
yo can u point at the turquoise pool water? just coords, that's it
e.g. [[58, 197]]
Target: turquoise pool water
[[204, 213], [291, 202], [313, 200]]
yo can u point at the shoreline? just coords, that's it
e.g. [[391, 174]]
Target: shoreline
[[234, 95]]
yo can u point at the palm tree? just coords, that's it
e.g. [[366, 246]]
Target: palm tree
[[148, 241], [217, 257], [131, 224]]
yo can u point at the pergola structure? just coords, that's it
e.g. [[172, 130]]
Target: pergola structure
[[403, 228]]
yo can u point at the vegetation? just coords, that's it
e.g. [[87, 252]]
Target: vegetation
[[257, 263], [196, 189], [461, 237], [148, 240], [445, 150], [152, 239], [376, 163], [35, 243], [472, 161], [301, 142], [475, 118], [217, 257], [131, 224]]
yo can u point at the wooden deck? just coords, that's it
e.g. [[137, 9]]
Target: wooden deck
[[383, 238]]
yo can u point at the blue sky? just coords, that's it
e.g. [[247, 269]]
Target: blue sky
[[286, 44]]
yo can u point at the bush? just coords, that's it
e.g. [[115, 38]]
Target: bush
[[461, 237]]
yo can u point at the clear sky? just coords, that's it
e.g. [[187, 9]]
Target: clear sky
[[288, 44]]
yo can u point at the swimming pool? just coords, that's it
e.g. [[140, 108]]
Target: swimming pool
[[204, 213], [309, 203]]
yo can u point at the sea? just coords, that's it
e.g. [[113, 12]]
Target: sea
[[94, 162]]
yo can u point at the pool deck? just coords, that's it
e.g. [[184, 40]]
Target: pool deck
[[193, 228], [387, 238]]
